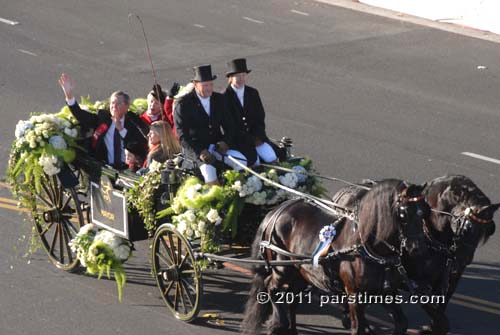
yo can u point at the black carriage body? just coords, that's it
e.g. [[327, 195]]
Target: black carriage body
[[105, 194]]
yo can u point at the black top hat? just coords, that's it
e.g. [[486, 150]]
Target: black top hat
[[158, 90], [238, 65], [203, 73]]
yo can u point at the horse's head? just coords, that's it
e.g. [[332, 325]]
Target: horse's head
[[412, 209], [394, 210], [464, 211]]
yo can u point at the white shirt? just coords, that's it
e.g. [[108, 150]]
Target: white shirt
[[110, 136], [240, 93], [205, 102], [109, 141]]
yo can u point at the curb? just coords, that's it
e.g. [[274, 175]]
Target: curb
[[451, 27]]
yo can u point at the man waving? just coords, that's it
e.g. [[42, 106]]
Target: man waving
[[112, 129]]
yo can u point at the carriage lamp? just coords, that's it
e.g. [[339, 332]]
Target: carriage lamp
[[170, 179], [287, 143]]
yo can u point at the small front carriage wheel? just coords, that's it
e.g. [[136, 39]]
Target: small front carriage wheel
[[57, 216], [177, 275]]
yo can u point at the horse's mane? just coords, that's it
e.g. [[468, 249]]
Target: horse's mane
[[377, 210], [457, 190]]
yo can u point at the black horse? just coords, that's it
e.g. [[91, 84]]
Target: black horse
[[365, 257], [461, 220]]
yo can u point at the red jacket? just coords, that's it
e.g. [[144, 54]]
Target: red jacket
[[168, 115]]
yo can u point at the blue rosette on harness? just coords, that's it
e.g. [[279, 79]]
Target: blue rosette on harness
[[326, 236]]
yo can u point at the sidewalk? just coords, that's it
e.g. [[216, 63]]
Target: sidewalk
[[477, 14], [474, 18]]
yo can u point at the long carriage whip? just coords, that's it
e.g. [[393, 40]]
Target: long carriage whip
[[148, 51]]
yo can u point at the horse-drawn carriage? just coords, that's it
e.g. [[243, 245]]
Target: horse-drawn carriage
[[374, 237], [88, 191]]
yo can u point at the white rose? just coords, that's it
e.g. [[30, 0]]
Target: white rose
[[181, 227], [190, 216], [87, 228], [154, 166], [213, 215], [236, 186], [191, 192]]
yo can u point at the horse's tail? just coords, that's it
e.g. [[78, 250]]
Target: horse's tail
[[256, 313]]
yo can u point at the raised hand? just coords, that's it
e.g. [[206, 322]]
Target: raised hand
[[67, 86], [173, 90]]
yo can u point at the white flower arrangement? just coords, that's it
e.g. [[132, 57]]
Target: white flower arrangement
[[203, 211], [256, 192], [89, 235], [44, 142], [102, 251]]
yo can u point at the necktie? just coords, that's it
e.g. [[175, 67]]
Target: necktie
[[117, 148]]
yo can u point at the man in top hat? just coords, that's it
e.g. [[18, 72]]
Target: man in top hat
[[246, 108], [113, 129], [204, 127]]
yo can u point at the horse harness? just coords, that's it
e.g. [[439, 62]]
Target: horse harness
[[362, 249], [395, 260], [462, 223]]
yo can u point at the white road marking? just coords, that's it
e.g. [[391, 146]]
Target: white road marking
[[252, 20], [484, 158], [27, 52], [12, 23], [199, 25], [299, 12]]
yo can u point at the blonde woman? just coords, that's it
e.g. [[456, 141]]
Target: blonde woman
[[162, 143]]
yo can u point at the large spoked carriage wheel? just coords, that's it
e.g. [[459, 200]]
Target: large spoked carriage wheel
[[177, 275], [58, 217]]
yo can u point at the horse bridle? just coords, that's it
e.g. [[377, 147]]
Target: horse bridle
[[402, 213], [463, 223]]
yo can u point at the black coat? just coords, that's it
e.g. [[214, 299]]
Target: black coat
[[136, 129], [250, 122], [196, 130], [250, 117]]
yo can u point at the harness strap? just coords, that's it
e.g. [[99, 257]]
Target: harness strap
[[283, 252]]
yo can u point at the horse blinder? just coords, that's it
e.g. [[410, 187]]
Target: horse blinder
[[422, 209]]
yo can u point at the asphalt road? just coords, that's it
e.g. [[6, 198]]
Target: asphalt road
[[364, 96]]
